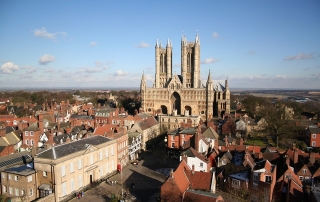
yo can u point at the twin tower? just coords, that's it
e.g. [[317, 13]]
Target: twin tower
[[185, 94], [190, 63]]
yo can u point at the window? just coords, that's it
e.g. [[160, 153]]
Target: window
[[79, 164], [4, 189], [100, 155], [45, 174], [107, 155], [31, 142], [107, 168], [255, 179], [4, 175], [31, 133], [72, 184], [112, 152], [80, 181], [236, 182], [313, 143], [172, 137], [304, 171], [23, 193], [201, 165], [113, 121], [301, 178], [27, 142], [10, 190], [71, 167], [9, 176], [91, 159], [16, 177], [26, 133], [64, 188], [172, 144], [16, 191], [63, 171], [314, 135], [101, 171], [268, 179], [112, 165], [29, 178]]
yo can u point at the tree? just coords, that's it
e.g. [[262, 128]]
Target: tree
[[277, 124]]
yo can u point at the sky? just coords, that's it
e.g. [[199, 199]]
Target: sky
[[108, 44]]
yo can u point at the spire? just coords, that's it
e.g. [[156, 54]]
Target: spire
[[197, 38], [168, 43], [209, 77], [143, 79], [157, 43], [226, 84]]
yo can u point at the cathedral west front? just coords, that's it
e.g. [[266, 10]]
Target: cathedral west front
[[185, 94]]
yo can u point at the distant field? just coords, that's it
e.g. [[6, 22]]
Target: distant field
[[268, 95], [314, 93]]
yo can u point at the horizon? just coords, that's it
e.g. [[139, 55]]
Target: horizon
[[102, 44]]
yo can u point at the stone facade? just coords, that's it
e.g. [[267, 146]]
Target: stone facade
[[183, 94], [70, 167]]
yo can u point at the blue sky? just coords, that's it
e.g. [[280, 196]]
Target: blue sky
[[255, 44]]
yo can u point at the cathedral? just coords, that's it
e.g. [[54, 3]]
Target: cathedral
[[185, 94]]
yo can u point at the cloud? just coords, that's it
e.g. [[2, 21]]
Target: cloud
[[143, 45], [252, 52], [93, 43], [49, 70], [9, 68], [215, 35], [45, 59], [120, 73], [104, 65], [300, 56], [43, 33], [89, 70], [31, 70], [209, 60]]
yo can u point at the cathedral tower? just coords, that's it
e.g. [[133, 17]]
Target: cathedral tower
[[190, 62], [163, 64]]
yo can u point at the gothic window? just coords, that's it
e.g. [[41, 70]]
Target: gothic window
[[188, 63], [161, 63]]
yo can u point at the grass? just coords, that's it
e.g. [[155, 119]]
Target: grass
[[257, 140]]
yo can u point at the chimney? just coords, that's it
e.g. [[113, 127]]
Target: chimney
[[241, 142], [171, 173], [312, 157], [226, 140], [192, 168]]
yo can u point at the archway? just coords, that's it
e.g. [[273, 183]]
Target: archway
[[189, 109], [176, 102], [164, 109]]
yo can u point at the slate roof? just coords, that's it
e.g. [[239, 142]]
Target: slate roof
[[190, 152], [9, 129], [32, 127], [72, 147], [314, 130], [76, 116], [210, 133], [147, 123], [26, 169], [15, 159], [198, 195]]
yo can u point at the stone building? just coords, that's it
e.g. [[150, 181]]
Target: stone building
[[184, 94]]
